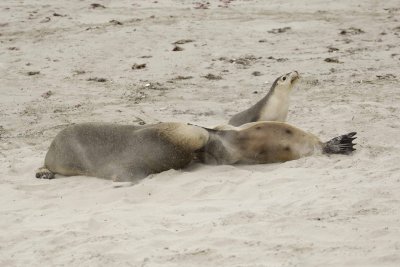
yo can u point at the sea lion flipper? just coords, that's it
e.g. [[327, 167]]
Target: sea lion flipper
[[340, 145], [44, 173]]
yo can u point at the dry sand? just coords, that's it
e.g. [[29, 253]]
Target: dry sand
[[316, 211]]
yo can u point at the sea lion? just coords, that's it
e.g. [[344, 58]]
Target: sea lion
[[273, 107], [267, 142], [121, 152], [126, 153]]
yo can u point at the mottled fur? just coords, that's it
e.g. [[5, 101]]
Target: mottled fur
[[259, 142]]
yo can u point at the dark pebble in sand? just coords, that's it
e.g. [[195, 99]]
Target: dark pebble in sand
[[331, 60], [58, 15], [31, 73], [183, 77], [211, 76], [47, 94], [138, 66], [95, 79], [183, 41], [351, 31], [96, 5], [332, 49], [280, 30], [116, 22], [177, 48]]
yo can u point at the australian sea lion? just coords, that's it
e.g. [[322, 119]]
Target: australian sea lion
[[121, 152], [274, 106], [267, 142]]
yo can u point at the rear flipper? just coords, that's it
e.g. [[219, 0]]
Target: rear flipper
[[340, 145], [44, 173]]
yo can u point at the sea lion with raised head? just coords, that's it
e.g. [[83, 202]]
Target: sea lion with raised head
[[273, 107]]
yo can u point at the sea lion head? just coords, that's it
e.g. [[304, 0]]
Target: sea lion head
[[286, 81]]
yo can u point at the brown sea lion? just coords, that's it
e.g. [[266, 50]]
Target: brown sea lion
[[122, 152]]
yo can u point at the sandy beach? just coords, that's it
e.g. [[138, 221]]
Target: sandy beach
[[136, 62]]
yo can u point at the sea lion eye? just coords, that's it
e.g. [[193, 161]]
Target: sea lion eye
[[284, 78]]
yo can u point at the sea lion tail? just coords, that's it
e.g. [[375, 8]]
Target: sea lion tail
[[340, 145]]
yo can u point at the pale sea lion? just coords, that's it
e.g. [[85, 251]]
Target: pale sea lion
[[273, 107], [267, 142], [121, 152]]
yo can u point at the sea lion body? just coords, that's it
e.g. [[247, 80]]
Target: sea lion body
[[267, 142], [273, 107], [126, 153], [122, 152]]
